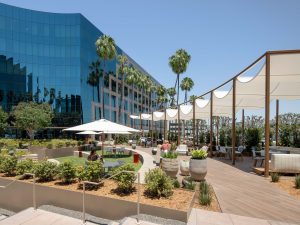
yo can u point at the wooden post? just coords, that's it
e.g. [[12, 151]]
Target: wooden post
[[277, 124], [178, 126], [233, 120], [152, 130], [243, 127], [194, 121], [217, 134], [165, 125], [267, 114], [211, 122]]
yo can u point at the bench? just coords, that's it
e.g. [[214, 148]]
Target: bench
[[285, 163]]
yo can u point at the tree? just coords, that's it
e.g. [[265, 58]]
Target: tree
[[171, 93], [3, 120], [32, 117], [179, 62], [93, 79], [123, 62], [161, 95], [106, 50], [186, 85]]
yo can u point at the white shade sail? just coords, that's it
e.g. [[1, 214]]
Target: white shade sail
[[250, 90], [102, 125], [115, 132]]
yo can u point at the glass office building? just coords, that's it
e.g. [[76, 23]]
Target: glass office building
[[45, 57]]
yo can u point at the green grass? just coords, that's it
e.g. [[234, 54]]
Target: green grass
[[108, 158]]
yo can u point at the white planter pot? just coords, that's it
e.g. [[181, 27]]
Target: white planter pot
[[170, 166], [185, 167], [198, 169]]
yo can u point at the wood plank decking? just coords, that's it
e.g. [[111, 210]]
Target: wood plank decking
[[246, 194]]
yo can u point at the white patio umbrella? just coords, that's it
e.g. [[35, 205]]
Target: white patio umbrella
[[115, 132], [104, 126], [88, 132]]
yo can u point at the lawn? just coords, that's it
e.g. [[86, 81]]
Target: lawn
[[108, 158]]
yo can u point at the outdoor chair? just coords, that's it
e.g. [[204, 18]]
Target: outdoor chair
[[182, 149], [109, 150], [257, 158], [221, 151], [239, 152]]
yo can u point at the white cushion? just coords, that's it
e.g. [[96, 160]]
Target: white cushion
[[285, 163]]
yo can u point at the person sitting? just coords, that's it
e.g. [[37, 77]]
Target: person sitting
[[166, 146], [93, 156]]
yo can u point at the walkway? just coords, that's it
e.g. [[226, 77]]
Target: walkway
[[246, 194], [148, 163], [204, 217]]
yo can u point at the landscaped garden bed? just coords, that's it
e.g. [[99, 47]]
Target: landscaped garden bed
[[288, 185]]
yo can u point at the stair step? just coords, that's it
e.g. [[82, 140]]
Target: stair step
[[2, 217]]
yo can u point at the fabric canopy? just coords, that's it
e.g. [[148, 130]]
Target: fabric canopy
[[250, 91], [88, 132], [102, 125]]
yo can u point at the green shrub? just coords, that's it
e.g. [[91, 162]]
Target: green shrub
[[60, 144], [24, 166], [125, 180], [199, 154], [93, 171], [173, 146], [67, 172], [8, 165], [275, 177], [50, 146], [158, 184], [4, 152], [2, 157], [205, 197], [170, 155], [68, 143], [176, 183], [297, 181], [45, 171], [252, 137], [20, 153], [189, 183]]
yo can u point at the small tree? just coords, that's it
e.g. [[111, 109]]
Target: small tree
[[252, 137], [3, 120], [32, 117]]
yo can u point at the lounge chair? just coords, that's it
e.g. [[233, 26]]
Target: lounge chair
[[221, 151], [239, 152], [257, 158], [182, 149]]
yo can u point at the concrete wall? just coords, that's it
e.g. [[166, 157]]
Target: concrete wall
[[52, 153], [18, 196]]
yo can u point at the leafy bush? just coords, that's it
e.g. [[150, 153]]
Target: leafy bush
[[173, 146], [20, 153], [170, 155], [252, 137], [125, 180], [8, 165], [50, 146], [93, 171], [297, 181], [24, 166], [176, 183], [275, 177], [45, 171], [205, 197], [158, 184], [199, 154], [67, 172]]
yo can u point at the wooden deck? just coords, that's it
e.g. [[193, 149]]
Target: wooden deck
[[246, 194]]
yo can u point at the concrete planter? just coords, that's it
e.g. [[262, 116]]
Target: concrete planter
[[185, 167], [170, 166], [52, 153], [198, 169]]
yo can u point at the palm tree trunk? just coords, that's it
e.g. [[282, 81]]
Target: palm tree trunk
[[122, 95], [103, 84], [185, 97], [98, 94], [177, 88]]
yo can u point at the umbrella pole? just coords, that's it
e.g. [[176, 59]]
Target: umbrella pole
[[103, 136]]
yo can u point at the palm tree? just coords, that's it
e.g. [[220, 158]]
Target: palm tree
[[106, 50], [161, 95], [123, 61], [93, 80], [171, 92], [179, 62], [192, 98], [186, 85]]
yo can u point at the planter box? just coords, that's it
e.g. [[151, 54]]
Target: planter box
[[18, 196], [52, 153]]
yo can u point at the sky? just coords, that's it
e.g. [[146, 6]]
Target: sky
[[222, 37]]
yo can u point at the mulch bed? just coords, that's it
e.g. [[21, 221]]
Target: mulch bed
[[288, 184], [214, 206]]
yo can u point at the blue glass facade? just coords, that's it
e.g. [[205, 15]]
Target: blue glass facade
[[45, 57]]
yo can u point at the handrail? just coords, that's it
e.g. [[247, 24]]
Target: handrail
[[33, 187], [108, 178]]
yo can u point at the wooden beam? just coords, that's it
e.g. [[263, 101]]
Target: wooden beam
[[211, 122], [267, 115], [194, 121], [243, 127], [233, 138], [277, 123]]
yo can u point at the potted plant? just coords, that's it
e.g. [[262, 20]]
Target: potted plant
[[198, 164], [169, 163], [185, 167], [154, 151]]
